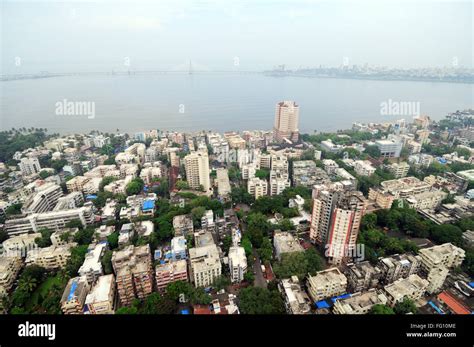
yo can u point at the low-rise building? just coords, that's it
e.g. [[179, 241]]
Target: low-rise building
[[74, 295], [360, 302], [413, 287], [183, 225], [296, 300], [362, 276], [52, 257], [101, 298], [10, 266], [364, 168], [285, 242], [170, 272], [399, 170], [326, 284], [398, 266], [91, 269], [205, 265]]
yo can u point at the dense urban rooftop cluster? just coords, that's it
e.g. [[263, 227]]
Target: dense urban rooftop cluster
[[378, 219]]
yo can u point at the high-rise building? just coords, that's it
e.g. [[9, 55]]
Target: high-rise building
[[197, 170], [335, 223], [286, 121]]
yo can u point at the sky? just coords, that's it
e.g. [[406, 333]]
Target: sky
[[69, 36]]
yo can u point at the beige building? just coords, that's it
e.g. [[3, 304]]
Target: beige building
[[205, 265], [296, 299], [74, 296], [197, 170], [381, 199], [360, 303], [170, 272], [399, 170], [286, 121], [257, 187], [9, 269], [101, 298], [52, 257], [326, 284], [134, 273], [437, 261], [413, 287]]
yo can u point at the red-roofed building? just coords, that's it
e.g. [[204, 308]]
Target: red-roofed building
[[201, 309], [453, 304]]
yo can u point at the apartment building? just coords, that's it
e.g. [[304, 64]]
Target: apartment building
[[364, 168], [335, 223], [404, 187], [29, 166], [382, 199], [178, 248], [74, 296], [43, 199], [52, 257], [54, 220], [257, 187], [205, 265], [436, 262], [362, 276], [413, 287], [248, 171], [326, 284], [183, 225], [91, 269], [134, 273], [10, 266], [237, 264], [167, 273], [426, 200], [295, 298], [286, 121], [197, 170], [278, 184], [399, 170], [399, 266], [360, 302], [20, 244]]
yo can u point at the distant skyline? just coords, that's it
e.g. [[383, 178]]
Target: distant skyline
[[248, 35]]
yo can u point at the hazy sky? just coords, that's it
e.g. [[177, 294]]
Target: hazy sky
[[101, 35]]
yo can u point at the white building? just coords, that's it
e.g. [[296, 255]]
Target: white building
[[29, 166], [413, 287], [91, 269], [237, 264], [101, 298]]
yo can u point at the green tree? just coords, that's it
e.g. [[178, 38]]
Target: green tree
[[406, 306], [256, 300], [381, 309]]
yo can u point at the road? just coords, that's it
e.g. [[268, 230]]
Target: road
[[260, 281]]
